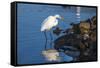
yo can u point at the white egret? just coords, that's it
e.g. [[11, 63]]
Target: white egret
[[48, 24]]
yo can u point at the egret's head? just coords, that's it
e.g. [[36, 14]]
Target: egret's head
[[58, 16]]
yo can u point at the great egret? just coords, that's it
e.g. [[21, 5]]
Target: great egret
[[48, 24]]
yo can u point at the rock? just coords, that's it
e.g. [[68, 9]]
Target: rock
[[84, 27], [57, 31], [81, 43]]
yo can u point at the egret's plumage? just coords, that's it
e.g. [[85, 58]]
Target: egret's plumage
[[50, 22]]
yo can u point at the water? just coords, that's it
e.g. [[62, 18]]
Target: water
[[31, 40]]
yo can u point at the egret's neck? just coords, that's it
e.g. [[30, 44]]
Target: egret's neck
[[56, 17]]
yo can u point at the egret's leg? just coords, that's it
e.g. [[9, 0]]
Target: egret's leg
[[46, 40], [51, 44]]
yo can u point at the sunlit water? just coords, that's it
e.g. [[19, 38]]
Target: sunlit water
[[31, 40]]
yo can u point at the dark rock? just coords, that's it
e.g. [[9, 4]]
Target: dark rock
[[57, 31], [74, 44]]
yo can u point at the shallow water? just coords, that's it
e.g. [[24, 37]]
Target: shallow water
[[31, 40]]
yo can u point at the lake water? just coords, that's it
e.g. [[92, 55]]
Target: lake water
[[31, 40]]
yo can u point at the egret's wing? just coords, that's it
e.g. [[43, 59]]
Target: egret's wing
[[45, 23], [45, 20]]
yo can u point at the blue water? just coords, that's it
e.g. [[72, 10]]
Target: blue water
[[30, 40]]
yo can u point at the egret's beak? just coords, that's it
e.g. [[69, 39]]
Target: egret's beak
[[62, 18]]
